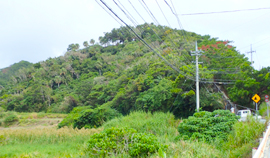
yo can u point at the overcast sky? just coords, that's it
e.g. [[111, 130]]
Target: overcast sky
[[34, 30]]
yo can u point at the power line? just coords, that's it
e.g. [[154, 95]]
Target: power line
[[249, 21], [126, 11], [144, 41], [130, 18], [221, 68], [178, 20], [254, 43], [210, 56], [230, 11], [163, 14], [156, 21], [117, 21]]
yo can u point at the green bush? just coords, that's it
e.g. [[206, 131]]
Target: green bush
[[75, 113], [208, 126], [117, 141], [11, 119], [95, 117]]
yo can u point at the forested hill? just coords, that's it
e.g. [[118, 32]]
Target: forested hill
[[121, 73], [7, 73]]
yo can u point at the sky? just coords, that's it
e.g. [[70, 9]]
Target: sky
[[34, 30]]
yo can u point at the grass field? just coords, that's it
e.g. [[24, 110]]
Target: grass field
[[34, 139], [44, 142]]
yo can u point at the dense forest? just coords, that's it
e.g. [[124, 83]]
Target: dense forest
[[120, 74]]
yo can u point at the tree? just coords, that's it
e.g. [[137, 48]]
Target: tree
[[73, 47], [92, 41], [58, 80], [85, 44]]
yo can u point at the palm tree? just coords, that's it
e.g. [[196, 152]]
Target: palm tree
[[92, 41], [85, 44], [58, 80]]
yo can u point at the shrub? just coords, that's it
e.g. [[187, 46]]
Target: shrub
[[11, 119], [117, 141], [95, 117], [208, 126], [75, 113]]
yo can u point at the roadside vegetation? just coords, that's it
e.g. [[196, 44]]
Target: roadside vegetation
[[137, 134], [122, 94]]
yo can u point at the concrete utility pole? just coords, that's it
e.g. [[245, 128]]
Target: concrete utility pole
[[197, 53], [251, 53]]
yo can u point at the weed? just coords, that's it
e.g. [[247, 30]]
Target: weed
[[11, 119]]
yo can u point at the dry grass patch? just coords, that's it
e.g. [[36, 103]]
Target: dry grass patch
[[47, 135]]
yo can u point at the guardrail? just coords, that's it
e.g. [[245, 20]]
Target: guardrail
[[261, 149]]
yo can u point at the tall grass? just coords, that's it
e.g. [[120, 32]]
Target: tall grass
[[47, 135], [47, 142], [244, 137], [160, 124]]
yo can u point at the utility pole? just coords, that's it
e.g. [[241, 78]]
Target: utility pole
[[251, 53], [197, 54]]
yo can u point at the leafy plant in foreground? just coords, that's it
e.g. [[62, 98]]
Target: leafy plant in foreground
[[208, 126], [117, 141]]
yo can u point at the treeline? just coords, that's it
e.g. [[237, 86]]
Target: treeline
[[119, 72]]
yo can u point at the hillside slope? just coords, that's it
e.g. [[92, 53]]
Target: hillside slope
[[122, 73]]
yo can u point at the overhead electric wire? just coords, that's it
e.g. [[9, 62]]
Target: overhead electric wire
[[219, 72], [174, 68], [163, 14], [145, 43], [157, 23], [248, 21], [178, 20], [153, 17], [127, 12], [254, 43], [220, 68], [130, 18], [168, 23], [220, 57], [207, 79], [228, 11], [118, 22]]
